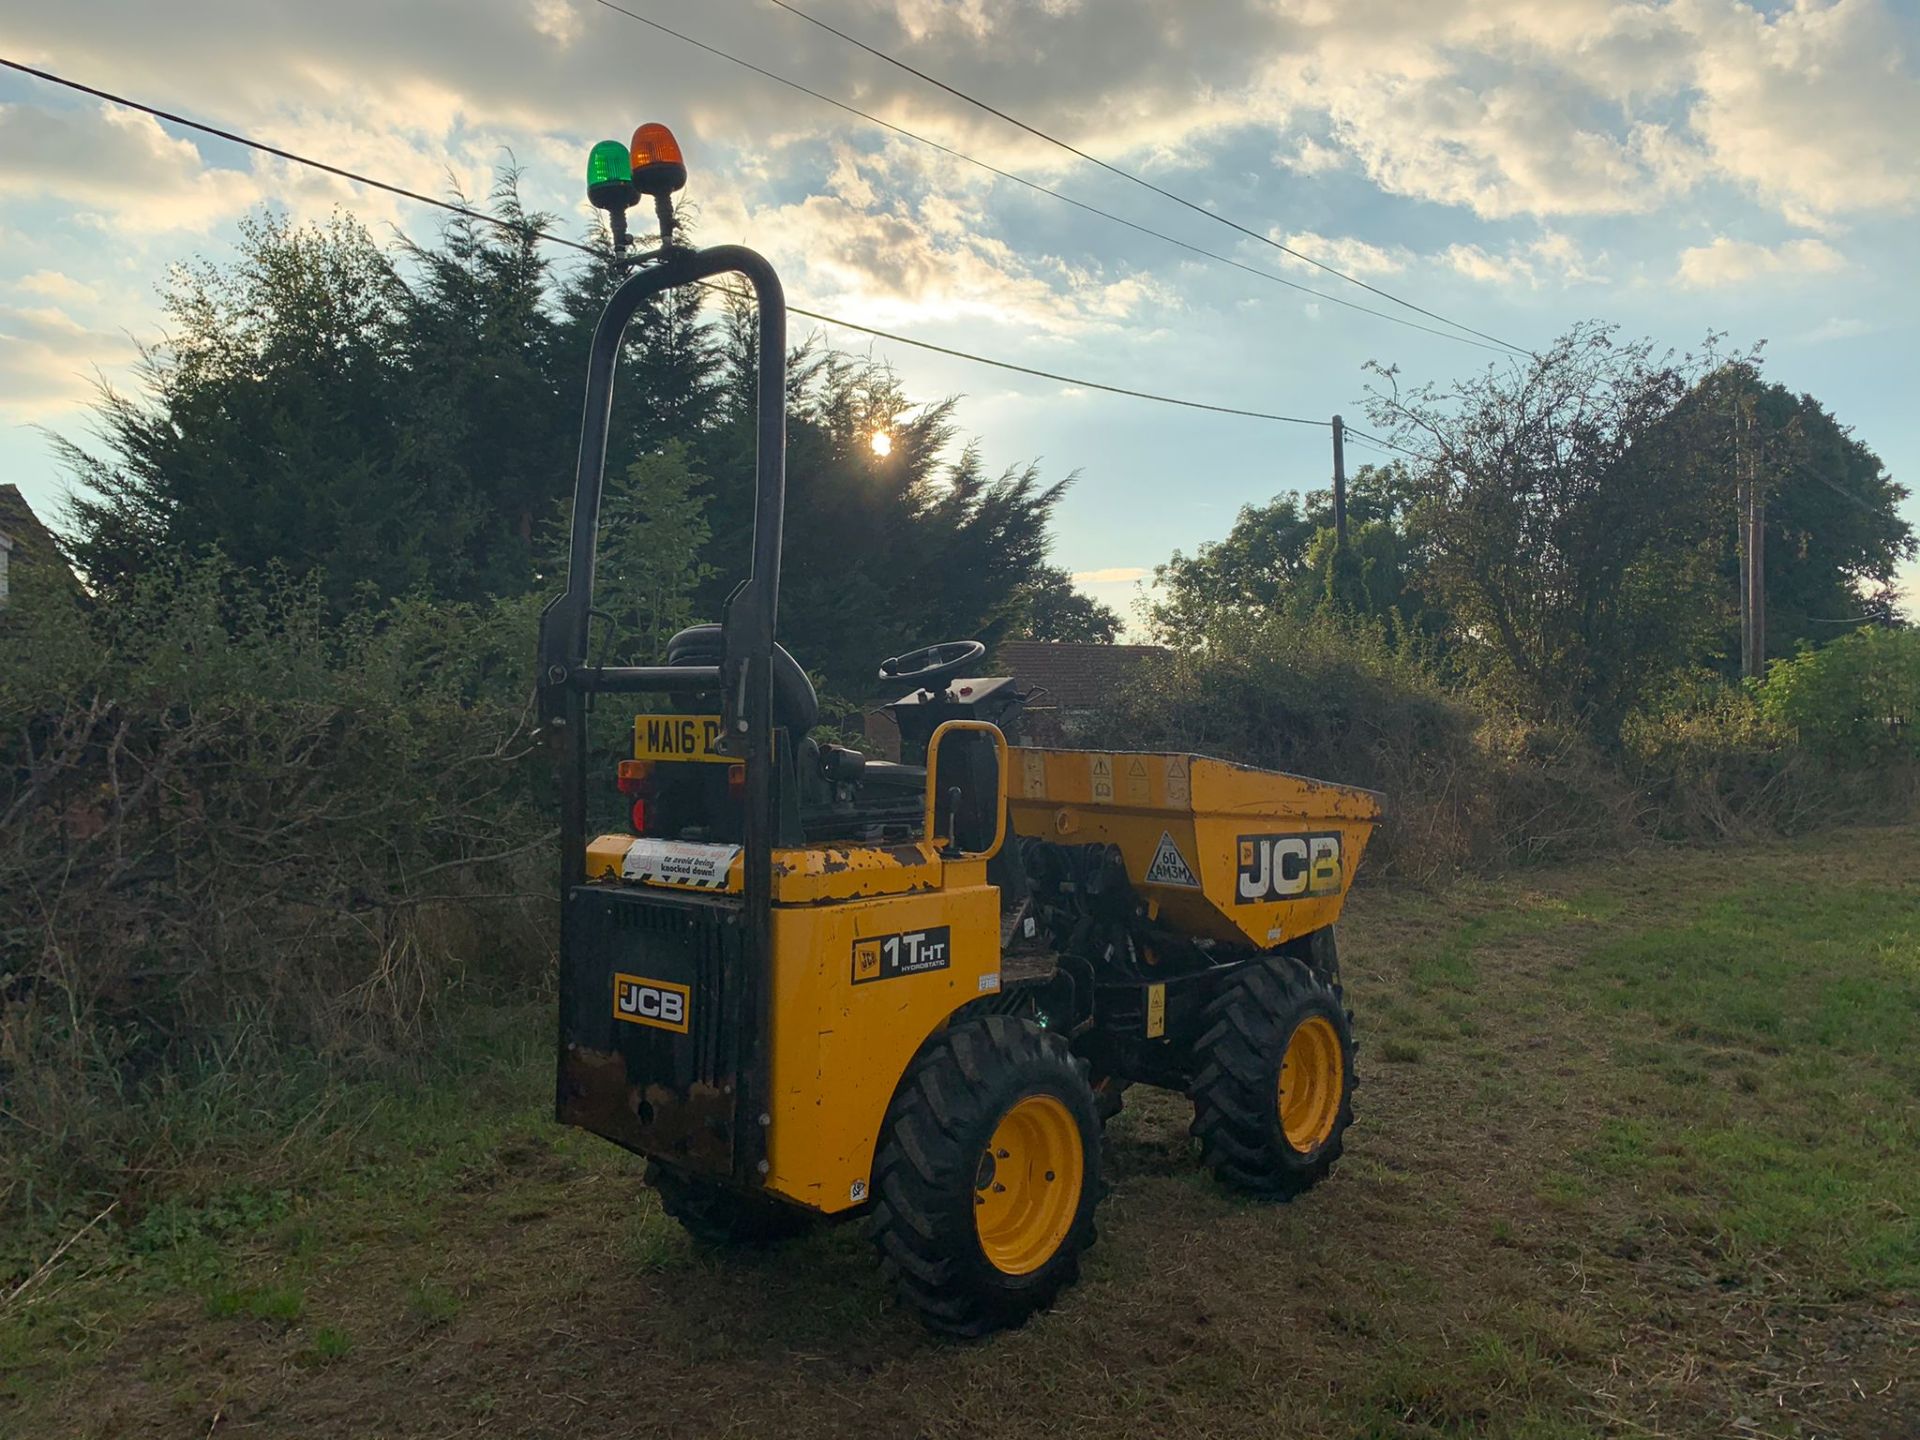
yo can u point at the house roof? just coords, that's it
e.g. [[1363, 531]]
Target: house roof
[[32, 541], [33, 547], [1075, 676]]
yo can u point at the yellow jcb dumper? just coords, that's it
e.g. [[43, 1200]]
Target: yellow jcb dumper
[[806, 983]]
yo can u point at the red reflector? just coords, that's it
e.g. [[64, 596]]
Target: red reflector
[[640, 816]]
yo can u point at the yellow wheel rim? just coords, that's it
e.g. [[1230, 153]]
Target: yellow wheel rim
[[1027, 1186], [1312, 1073]]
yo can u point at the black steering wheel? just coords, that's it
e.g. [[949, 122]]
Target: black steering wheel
[[932, 666]]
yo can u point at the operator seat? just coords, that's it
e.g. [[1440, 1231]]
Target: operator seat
[[795, 707]]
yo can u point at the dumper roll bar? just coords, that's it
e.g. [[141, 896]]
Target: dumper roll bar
[[743, 678]]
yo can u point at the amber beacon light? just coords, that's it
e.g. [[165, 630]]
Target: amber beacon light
[[656, 164]]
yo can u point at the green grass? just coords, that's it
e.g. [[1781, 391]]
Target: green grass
[[1812, 999], [1635, 1142], [432, 1303], [281, 1304], [330, 1344]]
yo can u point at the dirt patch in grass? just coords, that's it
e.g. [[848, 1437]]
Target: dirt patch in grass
[[1638, 1154]]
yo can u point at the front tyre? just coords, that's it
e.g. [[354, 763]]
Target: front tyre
[[986, 1177], [1274, 1079]]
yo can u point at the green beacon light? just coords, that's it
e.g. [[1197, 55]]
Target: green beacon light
[[610, 185]]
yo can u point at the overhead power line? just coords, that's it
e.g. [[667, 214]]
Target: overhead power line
[[483, 217], [260, 145], [1140, 180], [1034, 185], [1065, 379], [1380, 444]]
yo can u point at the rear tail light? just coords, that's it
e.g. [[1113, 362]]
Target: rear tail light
[[636, 779]]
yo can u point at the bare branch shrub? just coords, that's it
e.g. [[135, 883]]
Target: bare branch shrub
[[233, 830]]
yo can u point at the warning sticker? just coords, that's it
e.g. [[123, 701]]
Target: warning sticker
[[1103, 779], [1137, 781], [1177, 791], [1169, 866], [679, 862], [1034, 771]]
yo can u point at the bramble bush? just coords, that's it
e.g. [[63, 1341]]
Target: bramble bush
[[250, 847], [236, 833], [1333, 695], [1470, 785], [1855, 701]]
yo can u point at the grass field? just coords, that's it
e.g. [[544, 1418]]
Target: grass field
[[1638, 1153]]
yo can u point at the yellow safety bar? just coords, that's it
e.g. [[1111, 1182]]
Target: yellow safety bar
[[1000, 806]]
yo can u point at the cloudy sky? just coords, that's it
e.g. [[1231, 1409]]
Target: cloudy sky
[[1516, 164]]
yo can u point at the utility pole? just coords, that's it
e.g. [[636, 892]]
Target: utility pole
[[1756, 555], [1750, 508], [1744, 544], [1339, 484]]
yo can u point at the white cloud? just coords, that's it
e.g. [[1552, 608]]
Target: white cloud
[[1814, 106], [1476, 264], [1310, 157], [1343, 252], [1837, 328], [1517, 107], [1112, 575], [119, 166], [1552, 256], [53, 285], [557, 20], [48, 360], [877, 250], [1561, 254], [1504, 107], [1518, 147], [1906, 589], [1727, 261], [1500, 108]]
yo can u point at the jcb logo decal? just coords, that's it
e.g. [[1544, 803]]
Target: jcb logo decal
[[659, 1003], [1287, 867], [913, 952]]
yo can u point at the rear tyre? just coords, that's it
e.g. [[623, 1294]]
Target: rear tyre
[[718, 1217], [986, 1177], [1274, 1079]]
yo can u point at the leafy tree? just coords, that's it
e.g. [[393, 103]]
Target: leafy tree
[[1051, 608], [668, 381], [270, 427], [882, 553], [396, 423], [485, 415], [1569, 517], [1280, 557], [1856, 700], [1261, 565], [1834, 535], [653, 531]]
